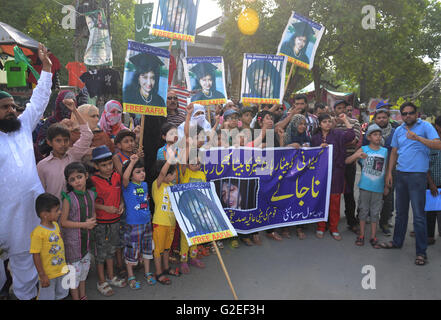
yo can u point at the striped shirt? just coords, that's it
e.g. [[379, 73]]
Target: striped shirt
[[351, 148], [176, 119]]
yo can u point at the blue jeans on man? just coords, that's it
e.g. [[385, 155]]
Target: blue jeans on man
[[411, 186]]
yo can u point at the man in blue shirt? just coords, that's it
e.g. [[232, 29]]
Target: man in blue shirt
[[411, 145]]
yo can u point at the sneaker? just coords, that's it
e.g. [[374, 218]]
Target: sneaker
[[386, 230]]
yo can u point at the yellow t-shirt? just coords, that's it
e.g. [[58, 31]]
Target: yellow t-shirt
[[49, 244], [164, 215], [193, 176]]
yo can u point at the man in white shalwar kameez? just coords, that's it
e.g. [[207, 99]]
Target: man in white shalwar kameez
[[20, 184]]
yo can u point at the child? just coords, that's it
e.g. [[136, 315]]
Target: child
[[338, 138], [51, 169], [164, 221], [109, 209], [47, 249], [77, 219], [373, 158], [169, 133], [138, 229], [246, 117], [125, 141]]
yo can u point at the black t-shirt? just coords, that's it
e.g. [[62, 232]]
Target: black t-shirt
[[93, 81], [110, 78]]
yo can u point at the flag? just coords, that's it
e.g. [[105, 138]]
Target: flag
[[182, 94]]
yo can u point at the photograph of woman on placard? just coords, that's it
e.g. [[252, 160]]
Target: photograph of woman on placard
[[263, 80], [239, 194], [297, 43], [179, 16], [144, 87], [205, 88]]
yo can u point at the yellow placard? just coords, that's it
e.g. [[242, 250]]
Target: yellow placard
[[146, 110]]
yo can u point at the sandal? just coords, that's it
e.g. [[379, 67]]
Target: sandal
[[173, 272], [184, 268], [247, 241], [84, 298], [359, 241], [213, 249], [220, 245], [122, 273], [133, 284], [256, 239], [203, 251], [286, 234], [388, 245], [164, 281], [336, 236], [374, 243], [105, 289], [234, 244], [420, 260], [197, 263], [300, 234], [274, 235], [319, 234], [117, 282], [150, 278]]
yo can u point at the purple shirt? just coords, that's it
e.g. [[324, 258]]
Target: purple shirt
[[339, 139]]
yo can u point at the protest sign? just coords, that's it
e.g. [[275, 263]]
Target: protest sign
[[175, 19], [143, 21], [199, 213], [206, 78], [295, 190], [99, 50], [300, 40], [262, 78], [145, 81]]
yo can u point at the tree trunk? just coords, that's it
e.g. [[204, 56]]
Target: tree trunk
[[317, 79], [362, 82]]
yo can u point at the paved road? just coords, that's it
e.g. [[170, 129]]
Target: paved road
[[301, 269]]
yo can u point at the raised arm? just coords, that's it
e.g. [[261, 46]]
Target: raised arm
[[126, 176]]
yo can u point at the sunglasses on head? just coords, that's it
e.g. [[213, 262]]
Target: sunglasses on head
[[408, 113], [174, 98]]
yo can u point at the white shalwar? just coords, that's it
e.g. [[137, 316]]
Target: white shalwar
[[19, 187]]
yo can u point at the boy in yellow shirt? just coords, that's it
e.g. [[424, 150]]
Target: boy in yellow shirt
[[47, 249], [164, 221]]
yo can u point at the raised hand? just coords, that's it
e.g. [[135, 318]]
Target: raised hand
[[44, 57], [190, 108], [134, 158], [69, 103]]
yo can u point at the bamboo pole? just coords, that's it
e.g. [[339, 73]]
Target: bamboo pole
[[289, 77], [225, 270], [141, 134]]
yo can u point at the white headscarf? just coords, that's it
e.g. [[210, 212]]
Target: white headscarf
[[196, 120]]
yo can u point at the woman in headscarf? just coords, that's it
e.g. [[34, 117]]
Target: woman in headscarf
[[296, 46], [110, 121], [205, 87], [197, 119], [61, 113], [296, 135], [263, 79]]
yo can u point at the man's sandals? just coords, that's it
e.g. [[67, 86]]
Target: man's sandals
[[420, 260], [163, 279]]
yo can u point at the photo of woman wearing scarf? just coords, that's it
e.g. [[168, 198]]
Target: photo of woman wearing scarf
[[297, 43], [110, 121], [263, 80], [205, 87], [145, 85]]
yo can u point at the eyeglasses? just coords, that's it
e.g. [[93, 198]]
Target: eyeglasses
[[408, 113], [174, 98]]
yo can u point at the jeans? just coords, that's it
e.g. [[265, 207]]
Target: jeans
[[350, 171], [411, 186]]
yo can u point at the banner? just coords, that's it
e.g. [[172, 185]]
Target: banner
[[259, 192], [300, 40], [175, 19], [143, 21], [145, 81], [99, 50], [206, 78], [199, 213], [263, 78]]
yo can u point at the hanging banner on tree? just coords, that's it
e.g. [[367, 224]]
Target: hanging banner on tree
[[262, 78], [199, 213], [175, 19], [300, 40], [143, 21], [259, 192], [206, 78], [145, 81], [99, 49]]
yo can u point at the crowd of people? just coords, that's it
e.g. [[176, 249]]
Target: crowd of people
[[80, 187]]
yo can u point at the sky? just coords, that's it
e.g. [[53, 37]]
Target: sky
[[208, 11]]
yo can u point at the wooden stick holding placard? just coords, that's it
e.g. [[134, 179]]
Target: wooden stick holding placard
[[289, 78], [141, 134], [225, 270], [209, 114]]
